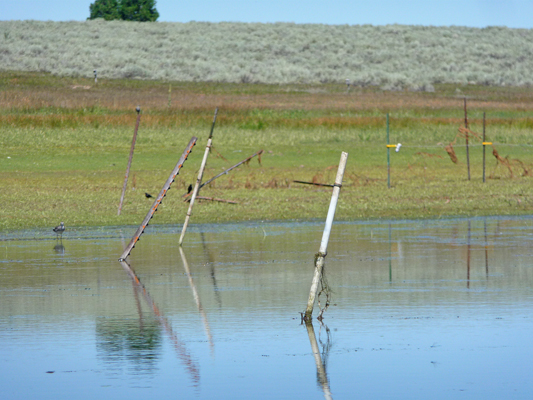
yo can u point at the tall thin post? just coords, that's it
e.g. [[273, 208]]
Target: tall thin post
[[467, 151], [225, 172], [199, 180], [321, 256], [321, 372], [388, 153], [138, 109], [483, 147], [158, 200]]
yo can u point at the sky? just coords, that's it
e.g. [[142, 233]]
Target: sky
[[473, 13]]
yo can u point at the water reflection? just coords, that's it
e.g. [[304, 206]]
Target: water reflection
[[486, 249], [468, 248], [460, 241], [440, 308], [196, 297], [59, 248], [321, 358], [211, 263], [121, 342], [183, 354]]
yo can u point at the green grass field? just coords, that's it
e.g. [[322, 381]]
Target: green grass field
[[64, 146]]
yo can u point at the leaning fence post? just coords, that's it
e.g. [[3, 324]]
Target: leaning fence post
[[225, 172], [483, 147], [320, 257], [138, 109], [199, 180], [158, 200], [388, 154]]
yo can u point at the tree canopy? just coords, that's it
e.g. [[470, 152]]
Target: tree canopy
[[128, 10]]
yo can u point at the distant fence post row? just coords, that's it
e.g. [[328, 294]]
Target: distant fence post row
[[449, 148]]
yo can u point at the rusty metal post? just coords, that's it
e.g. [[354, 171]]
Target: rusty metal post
[[321, 256], [199, 179], [138, 109], [158, 200], [467, 150]]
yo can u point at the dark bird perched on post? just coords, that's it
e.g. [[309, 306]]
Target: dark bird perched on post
[[148, 195], [59, 229], [189, 190]]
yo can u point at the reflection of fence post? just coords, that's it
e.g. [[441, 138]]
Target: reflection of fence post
[[199, 180], [320, 257], [486, 250], [158, 200], [196, 298], [468, 257], [467, 151], [321, 372], [183, 354], [138, 109], [390, 254]]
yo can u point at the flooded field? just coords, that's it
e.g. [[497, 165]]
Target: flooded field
[[420, 310]]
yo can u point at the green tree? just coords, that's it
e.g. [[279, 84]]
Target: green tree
[[138, 10], [128, 10], [106, 9]]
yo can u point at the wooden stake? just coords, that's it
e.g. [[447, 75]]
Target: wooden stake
[[158, 200], [467, 150], [138, 109], [315, 184], [216, 199], [198, 180], [224, 173], [320, 257]]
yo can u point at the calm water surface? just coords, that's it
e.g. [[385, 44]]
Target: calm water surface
[[420, 310]]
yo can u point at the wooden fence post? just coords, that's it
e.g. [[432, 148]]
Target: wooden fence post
[[198, 180], [466, 133], [138, 109]]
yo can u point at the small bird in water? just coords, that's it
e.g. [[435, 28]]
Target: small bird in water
[[59, 229], [148, 195], [189, 190]]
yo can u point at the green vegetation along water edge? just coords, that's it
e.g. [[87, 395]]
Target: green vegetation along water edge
[[64, 146]]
